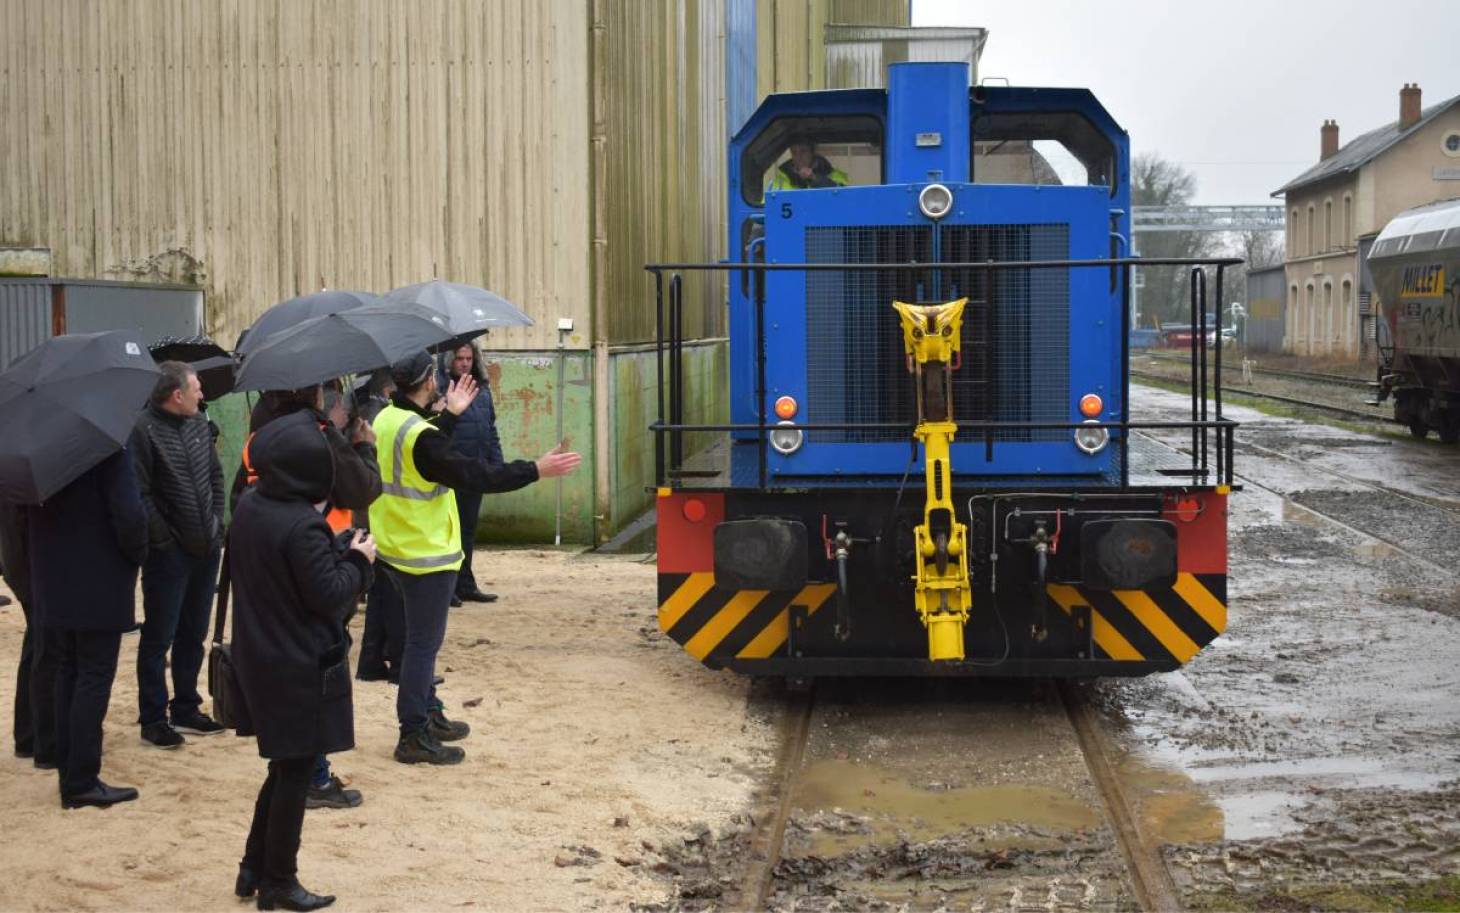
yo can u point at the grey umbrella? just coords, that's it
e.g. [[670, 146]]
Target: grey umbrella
[[67, 405], [469, 310], [295, 311], [343, 343]]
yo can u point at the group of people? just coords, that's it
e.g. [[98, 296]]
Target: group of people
[[331, 505]]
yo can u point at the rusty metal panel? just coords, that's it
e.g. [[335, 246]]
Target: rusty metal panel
[[263, 150], [25, 317]]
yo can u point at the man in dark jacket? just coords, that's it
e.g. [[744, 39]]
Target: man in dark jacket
[[295, 588], [476, 439], [35, 680], [182, 486], [87, 542]]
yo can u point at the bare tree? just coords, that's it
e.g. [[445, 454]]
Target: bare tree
[[1156, 181]]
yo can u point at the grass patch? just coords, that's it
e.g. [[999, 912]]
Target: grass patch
[[1277, 409]]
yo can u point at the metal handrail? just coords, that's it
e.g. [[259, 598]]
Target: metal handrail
[[1199, 424]]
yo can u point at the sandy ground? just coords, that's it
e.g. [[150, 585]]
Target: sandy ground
[[597, 747]]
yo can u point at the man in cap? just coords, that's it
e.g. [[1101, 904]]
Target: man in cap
[[418, 537]]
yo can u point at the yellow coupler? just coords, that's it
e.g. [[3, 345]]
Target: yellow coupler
[[931, 339]]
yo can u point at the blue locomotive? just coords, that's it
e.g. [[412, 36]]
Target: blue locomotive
[[930, 465]]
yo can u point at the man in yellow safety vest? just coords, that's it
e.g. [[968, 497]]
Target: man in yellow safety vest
[[418, 543]]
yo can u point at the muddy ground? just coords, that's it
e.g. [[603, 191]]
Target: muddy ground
[[1311, 756]]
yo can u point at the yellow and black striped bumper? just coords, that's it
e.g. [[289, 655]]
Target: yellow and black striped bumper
[[1153, 628]]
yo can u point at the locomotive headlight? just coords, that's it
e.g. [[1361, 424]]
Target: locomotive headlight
[[1091, 440], [935, 201], [787, 438]]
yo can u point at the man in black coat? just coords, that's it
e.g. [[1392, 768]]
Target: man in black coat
[[294, 590], [35, 680], [182, 486], [87, 542]]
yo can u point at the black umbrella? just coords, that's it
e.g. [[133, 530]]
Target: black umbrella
[[295, 311], [469, 311], [332, 346], [215, 366], [67, 405]]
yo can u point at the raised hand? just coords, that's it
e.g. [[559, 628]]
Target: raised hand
[[460, 394], [557, 462]]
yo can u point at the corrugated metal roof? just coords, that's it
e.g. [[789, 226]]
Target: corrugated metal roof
[[857, 56], [1361, 150], [1435, 226]]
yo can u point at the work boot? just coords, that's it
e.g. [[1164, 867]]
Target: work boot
[[420, 747], [445, 730], [332, 795]]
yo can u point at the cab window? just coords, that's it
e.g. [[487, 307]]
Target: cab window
[[1048, 148], [798, 153]]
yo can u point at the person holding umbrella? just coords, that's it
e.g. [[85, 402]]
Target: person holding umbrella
[[66, 408], [98, 523], [182, 485], [415, 524]]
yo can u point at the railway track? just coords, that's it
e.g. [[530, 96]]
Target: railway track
[[1231, 390], [1341, 380], [1150, 882]]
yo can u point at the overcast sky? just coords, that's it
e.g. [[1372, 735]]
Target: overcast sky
[[1234, 90]]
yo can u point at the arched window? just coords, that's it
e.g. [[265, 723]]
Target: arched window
[[1293, 322], [1328, 225], [1330, 321], [1293, 246], [1310, 312], [1346, 312], [1312, 238], [1348, 220]]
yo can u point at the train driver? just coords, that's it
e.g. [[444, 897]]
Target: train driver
[[805, 168]]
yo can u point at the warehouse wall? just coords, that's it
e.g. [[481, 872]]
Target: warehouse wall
[[264, 148]]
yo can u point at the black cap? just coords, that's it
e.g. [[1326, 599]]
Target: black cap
[[411, 370]]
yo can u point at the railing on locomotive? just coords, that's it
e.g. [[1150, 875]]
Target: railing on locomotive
[[1201, 390]]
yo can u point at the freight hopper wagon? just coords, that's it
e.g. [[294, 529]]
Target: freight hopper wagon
[[1416, 266], [930, 464]]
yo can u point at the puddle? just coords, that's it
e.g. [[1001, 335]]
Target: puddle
[[1168, 805], [892, 807]]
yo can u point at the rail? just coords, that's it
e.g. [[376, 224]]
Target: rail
[[1212, 435]]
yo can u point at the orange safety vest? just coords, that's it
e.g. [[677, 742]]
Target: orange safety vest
[[338, 518]]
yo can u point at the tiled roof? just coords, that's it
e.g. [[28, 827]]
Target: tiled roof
[[1363, 149]]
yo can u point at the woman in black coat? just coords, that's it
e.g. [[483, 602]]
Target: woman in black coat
[[87, 543], [293, 589]]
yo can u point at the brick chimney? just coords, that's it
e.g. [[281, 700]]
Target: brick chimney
[[1328, 139], [1408, 105]]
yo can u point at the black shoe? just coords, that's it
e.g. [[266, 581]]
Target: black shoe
[[291, 897], [476, 596], [24, 754], [247, 883], [4, 600], [100, 796], [44, 763], [196, 723], [161, 735], [456, 602], [372, 674], [421, 747], [445, 730], [332, 795]]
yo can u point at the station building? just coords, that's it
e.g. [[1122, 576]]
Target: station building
[[1336, 208]]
